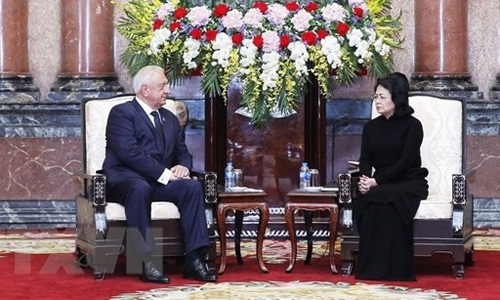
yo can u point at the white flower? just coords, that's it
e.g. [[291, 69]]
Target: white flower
[[159, 38], [193, 49], [233, 19], [253, 17], [362, 51], [271, 41], [199, 16], [330, 47], [164, 10], [300, 56], [270, 67], [381, 47], [276, 14], [301, 20], [355, 36], [247, 54], [222, 46], [333, 13]]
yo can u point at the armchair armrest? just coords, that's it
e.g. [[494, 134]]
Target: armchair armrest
[[93, 187], [209, 183]]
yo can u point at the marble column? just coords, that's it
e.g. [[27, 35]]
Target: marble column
[[16, 83], [441, 46], [87, 52]]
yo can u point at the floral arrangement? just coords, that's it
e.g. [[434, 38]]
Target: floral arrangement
[[272, 47]]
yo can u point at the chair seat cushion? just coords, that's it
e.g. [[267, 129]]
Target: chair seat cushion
[[435, 207], [159, 211]]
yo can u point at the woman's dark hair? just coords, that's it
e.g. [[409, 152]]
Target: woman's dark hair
[[397, 84]]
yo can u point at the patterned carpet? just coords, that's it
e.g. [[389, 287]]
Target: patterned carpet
[[287, 290], [56, 242]]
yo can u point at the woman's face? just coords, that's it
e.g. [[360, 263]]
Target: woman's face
[[383, 102]]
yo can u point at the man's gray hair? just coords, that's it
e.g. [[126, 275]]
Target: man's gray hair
[[144, 76]]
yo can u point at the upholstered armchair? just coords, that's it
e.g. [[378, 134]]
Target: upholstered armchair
[[100, 224], [443, 223]]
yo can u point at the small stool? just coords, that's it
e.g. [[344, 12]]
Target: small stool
[[239, 202], [311, 201]]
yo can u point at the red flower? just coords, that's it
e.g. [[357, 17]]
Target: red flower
[[284, 40], [262, 6], [311, 6], [309, 37], [363, 71], [342, 29], [196, 33], [358, 11], [258, 41], [211, 34], [180, 13], [292, 6], [174, 26], [237, 38], [157, 24], [221, 10], [322, 33]]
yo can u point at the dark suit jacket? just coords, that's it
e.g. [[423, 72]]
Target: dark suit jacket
[[131, 151]]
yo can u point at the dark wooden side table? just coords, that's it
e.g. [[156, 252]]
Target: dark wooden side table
[[239, 202], [308, 202]]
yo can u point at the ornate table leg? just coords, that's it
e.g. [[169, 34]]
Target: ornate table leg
[[238, 226], [333, 236], [221, 223], [289, 219], [264, 218], [309, 231]]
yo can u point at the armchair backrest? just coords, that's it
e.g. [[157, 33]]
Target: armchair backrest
[[442, 150], [94, 120]]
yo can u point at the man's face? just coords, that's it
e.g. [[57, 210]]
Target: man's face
[[156, 91]]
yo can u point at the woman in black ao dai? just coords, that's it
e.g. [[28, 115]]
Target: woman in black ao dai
[[390, 196]]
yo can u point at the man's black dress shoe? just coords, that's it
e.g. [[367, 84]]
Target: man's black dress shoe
[[151, 274], [197, 269]]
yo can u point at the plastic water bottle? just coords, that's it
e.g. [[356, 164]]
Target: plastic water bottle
[[229, 176], [304, 176]]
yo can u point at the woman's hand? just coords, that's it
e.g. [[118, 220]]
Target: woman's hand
[[365, 184]]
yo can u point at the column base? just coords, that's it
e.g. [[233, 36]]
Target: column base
[[74, 88], [495, 89], [458, 86], [18, 89], [442, 83]]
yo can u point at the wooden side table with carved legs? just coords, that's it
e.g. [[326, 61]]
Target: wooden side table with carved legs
[[240, 202], [309, 202]]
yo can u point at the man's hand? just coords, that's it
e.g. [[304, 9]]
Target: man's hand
[[365, 184], [179, 172]]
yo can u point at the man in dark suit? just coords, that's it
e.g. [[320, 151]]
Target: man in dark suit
[[147, 160]]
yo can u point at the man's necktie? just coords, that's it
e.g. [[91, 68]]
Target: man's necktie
[[160, 138]]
